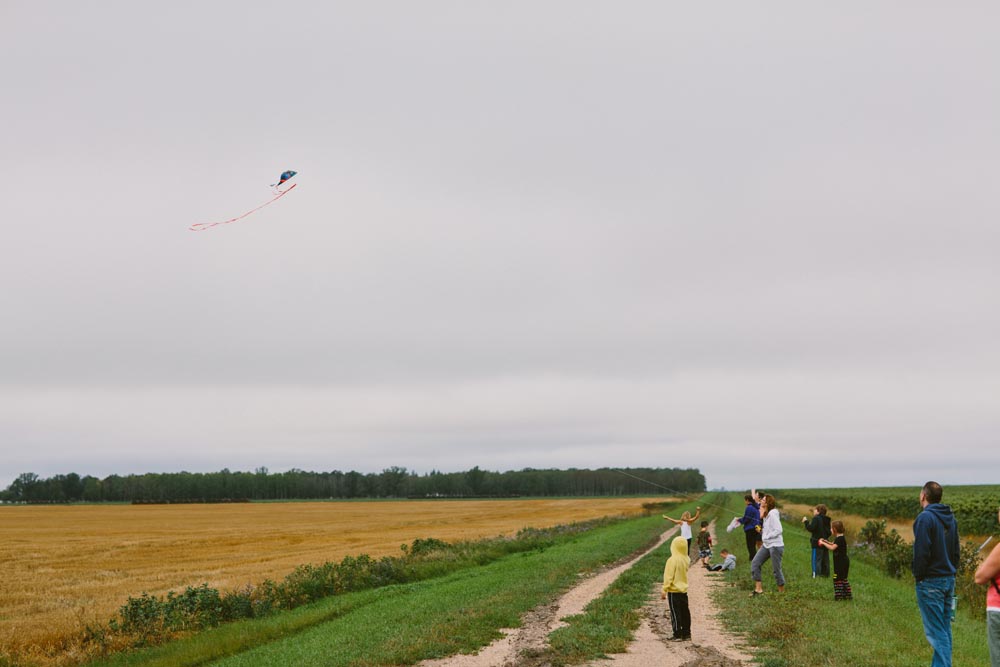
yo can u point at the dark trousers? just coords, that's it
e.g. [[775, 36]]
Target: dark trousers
[[820, 562], [752, 536], [680, 615], [841, 587]]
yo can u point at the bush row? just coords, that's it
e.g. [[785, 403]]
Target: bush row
[[150, 619]]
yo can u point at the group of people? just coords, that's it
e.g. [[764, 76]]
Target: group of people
[[935, 560], [675, 572], [761, 523]]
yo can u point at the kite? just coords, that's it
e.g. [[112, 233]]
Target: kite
[[285, 176]]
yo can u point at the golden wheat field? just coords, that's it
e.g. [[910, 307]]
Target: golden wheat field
[[65, 566]]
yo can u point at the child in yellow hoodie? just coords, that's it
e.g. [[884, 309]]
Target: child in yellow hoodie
[[675, 587]]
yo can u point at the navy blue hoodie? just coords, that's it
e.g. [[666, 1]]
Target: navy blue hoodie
[[751, 517], [935, 543]]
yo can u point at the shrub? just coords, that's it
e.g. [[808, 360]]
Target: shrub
[[141, 617], [422, 547], [194, 609], [893, 553], [238, 603], [970, 594]]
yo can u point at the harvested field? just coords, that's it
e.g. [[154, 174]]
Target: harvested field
[[65, 566]]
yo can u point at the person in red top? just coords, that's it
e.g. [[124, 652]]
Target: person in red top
[[989, 573]]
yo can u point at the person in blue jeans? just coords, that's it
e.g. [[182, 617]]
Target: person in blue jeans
[[935, 556]]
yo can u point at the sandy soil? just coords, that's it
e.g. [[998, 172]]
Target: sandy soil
[[711, 646]]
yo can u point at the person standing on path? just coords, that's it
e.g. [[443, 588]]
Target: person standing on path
[[935, 557], [989, 573], [773, 547], [751, 525], [675, 589]]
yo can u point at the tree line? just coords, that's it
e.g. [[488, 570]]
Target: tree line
[[394, 482]]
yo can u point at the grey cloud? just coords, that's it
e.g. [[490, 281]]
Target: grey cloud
[[714, 227]]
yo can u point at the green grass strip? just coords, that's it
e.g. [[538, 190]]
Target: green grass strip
[[881, 627]]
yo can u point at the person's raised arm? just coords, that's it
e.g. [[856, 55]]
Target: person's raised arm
[[989, 568], [696, 515]]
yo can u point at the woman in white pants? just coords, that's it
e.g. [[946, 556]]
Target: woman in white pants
[[774, 547]]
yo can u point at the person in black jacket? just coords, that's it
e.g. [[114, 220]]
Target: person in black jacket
[[935, 557], [819, 529]]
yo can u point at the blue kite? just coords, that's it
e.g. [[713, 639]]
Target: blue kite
[[285, 176]]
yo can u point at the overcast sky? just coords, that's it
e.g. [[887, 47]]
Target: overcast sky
[[759, 240]]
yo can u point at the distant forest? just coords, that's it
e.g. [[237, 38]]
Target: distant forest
[[392, 482]]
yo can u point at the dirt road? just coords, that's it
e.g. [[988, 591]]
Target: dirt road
[[711, 645]]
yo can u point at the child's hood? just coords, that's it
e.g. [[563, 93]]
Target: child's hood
[[679, 547]]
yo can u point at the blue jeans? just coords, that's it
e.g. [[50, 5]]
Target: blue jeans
[[993, 636], [934, 600], [821, 562]]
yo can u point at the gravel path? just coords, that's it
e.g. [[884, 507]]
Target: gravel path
[[711, 647]]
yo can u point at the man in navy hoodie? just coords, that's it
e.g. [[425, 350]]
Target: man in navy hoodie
[[751, 524], [935, 558]]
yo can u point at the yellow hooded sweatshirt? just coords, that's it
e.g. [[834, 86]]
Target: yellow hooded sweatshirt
[[675, 574]]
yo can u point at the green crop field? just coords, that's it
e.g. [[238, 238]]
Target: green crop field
[[975, 507]]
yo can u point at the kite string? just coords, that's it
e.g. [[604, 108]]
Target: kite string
[[675, 491], [202, 226]]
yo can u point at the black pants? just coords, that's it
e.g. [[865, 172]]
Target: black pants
[[751, 536], [680, 615], [821, 562]]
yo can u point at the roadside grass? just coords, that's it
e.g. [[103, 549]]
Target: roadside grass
[[881, 627], [609, 622], [402, 624]]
